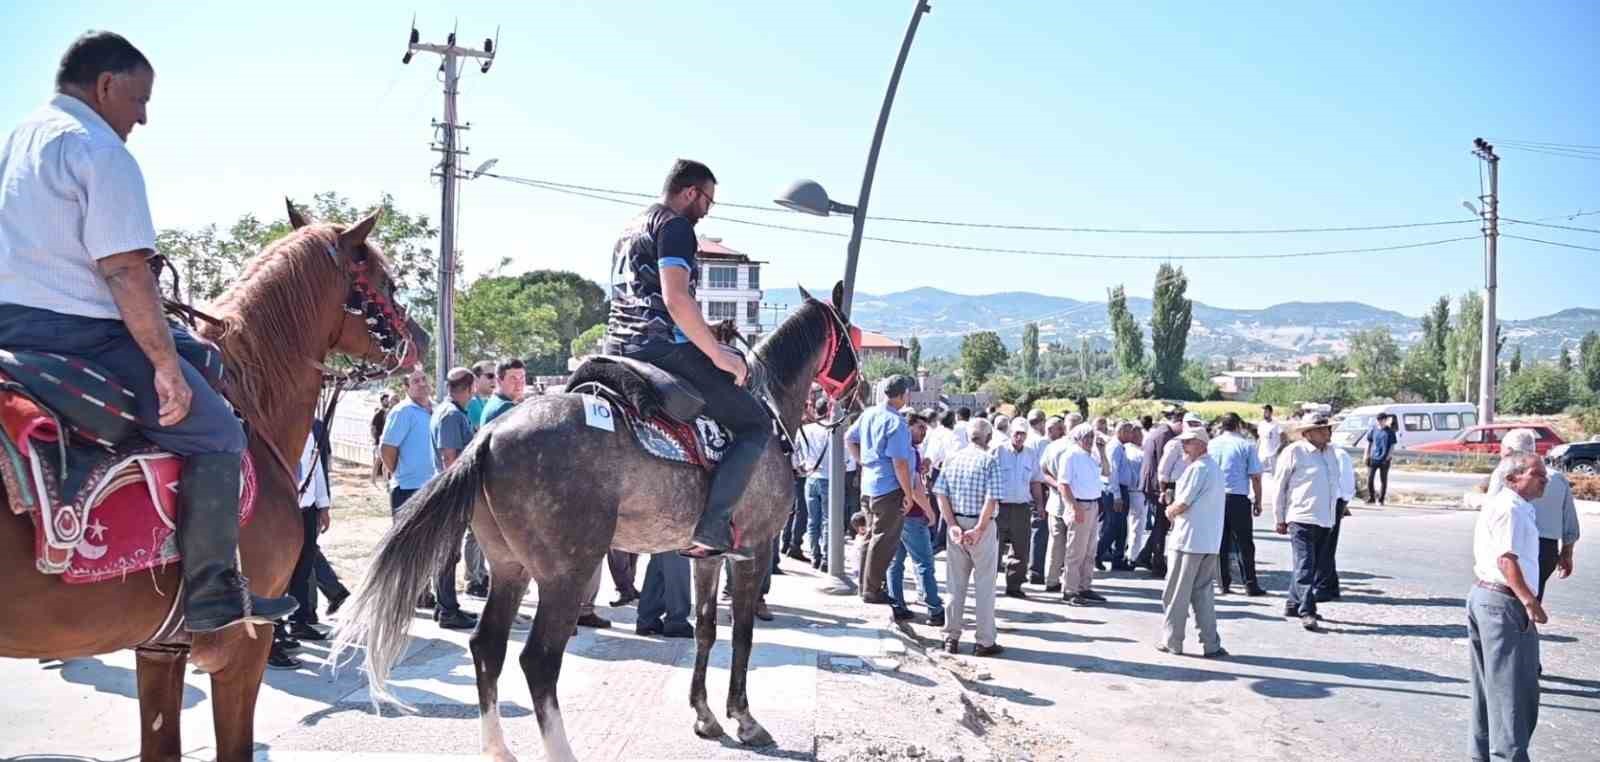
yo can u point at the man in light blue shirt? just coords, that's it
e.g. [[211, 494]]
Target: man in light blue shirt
[[1240, 464], [880, 441], [407, 443]]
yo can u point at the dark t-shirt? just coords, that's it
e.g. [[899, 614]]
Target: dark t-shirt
[[1383, 440], [657, 239]]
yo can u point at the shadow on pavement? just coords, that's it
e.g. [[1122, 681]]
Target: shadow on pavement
[[117, 681]]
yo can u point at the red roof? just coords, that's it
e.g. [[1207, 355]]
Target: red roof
[[714, 247], [870, 340]]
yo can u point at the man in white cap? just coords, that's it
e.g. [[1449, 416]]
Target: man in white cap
[[1074, 476], [1019, 471], [1307, 496], [1194, 544]]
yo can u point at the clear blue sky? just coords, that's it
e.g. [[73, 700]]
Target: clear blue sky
[[1164, 115]]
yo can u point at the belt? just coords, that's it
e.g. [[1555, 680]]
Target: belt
[[1495, 587], [1089, 501]]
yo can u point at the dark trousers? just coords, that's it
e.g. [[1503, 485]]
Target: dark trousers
[[1112, 544], [938, 530], [733, 407], [622, 565], [444, 583], [1238, 541], [1309, 544], [327, 583], [884, 520], [794, 530], [1155, 548], [1327, 587], [1549, 554], [1039, 542], [1013, 521], [300, 579], [1374, 470], [1505, 676], [665, 598]]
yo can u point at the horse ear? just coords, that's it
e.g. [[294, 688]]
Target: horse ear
[[804, 294], [296, 219], [838, 296], [357, 233]]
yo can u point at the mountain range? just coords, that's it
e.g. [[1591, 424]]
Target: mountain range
[[1282, 334]]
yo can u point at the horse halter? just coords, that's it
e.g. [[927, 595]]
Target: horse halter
[[386, 321], [835, 387]]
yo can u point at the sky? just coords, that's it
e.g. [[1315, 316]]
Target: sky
[[1149, 115]]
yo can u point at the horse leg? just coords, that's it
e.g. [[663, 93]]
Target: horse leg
[[234, 689], [160, 676], [488, 642], [746, 589], [541, 657], [706, 574]]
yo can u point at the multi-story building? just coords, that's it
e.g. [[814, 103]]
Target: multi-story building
[[730, 286]]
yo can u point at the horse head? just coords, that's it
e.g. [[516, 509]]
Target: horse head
[[839, 368], [373, 326]]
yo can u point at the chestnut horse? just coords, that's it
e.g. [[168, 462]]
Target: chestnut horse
[[308, 294]]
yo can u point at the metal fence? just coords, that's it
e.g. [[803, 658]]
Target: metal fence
[[351, 433]]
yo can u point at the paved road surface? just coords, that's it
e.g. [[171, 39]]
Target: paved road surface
[[1433, 482]]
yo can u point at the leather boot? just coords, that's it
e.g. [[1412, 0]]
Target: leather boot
[[216, 595]]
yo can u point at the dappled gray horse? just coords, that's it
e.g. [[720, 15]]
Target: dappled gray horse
[[547, 495]]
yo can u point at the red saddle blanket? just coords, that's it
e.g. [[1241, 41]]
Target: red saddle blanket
[[98, 513]]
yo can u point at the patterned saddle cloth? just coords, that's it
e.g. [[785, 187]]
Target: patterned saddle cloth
[[661, 411], [103, 500]]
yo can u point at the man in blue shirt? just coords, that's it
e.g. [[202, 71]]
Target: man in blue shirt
[[1240, 464], [1381, 441], [881, 442], [407, 444], [449, 433], [654, 318]]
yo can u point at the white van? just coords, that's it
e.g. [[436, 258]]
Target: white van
[[1420, 422]]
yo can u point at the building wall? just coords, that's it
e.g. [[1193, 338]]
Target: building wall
[[741, 294]]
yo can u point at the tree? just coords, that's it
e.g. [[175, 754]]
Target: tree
[[1465, 350], [980, 353], [1516, 362], [1127, 337], [1538, 390], [1197, 383], [1564, 361], [1030, 352], [586, 342], [1376, 360], [877, 367], [496, 318], [914, 352], [1171, 314], [1588, 361], [1323, 382]]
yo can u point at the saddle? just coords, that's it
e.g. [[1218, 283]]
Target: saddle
[[664, 412], [102, 498]]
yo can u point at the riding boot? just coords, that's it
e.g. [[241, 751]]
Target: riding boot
[[216, 594]]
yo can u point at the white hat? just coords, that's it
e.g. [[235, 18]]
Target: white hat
[[1190, 434], [1020, 426], [1190, 419]]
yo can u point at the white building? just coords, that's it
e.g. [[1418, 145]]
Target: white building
[[730, 286]]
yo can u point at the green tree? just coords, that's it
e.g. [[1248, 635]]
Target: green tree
[[981, 353], [1537, 390], [1170, 317], [1030, 352], [586, 342], [1197, 382], [497, 318], [1127, 336], [1564, 361], [878, 367], [1516, 362], [914, 352], [1465, 348], [1376, 360], [1588, 361]]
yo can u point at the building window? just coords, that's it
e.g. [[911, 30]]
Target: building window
[[755, 278], [722, 310], [752, 313], [722, 277]]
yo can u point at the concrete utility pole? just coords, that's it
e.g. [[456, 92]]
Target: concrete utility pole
[[449, 172], [1490, 362]]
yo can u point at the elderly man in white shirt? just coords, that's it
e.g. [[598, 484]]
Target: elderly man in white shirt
[[1307, 497], [1019, 471], [1193, 547], [1327, 587], [1075, 479], [1555, 510], [1503, 609]]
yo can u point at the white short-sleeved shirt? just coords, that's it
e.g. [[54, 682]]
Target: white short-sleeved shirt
[[316, 492], [70, 195], [1073, 467], [1506, 524], [1269, 435], [1199, 529]]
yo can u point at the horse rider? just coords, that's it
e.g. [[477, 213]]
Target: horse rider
[[75, 240], [655, 319]]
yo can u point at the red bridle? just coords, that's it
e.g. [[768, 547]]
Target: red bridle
[[838, 388]]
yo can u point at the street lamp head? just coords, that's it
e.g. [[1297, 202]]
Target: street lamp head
[[1469, 207], [809, 197], [484, 167]]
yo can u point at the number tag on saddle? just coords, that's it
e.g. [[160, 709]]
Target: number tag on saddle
[[597, 413]]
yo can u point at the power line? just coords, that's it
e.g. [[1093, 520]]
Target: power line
[[1551, 243], [999, 250], [1546, 144], [1545, 225], [1562, 152], [536, 182]]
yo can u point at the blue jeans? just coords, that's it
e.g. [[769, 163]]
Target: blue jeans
[[1113, 544], [916, 542], [1040, 524], [1307, 542], [817, 517], [665, 597], [794, 530]]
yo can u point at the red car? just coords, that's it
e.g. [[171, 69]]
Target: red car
[[1485, 439]]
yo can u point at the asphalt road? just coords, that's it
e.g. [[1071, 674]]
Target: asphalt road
[[1433, 482]]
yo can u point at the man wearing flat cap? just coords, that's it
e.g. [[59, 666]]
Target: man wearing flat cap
[[1307, 491]]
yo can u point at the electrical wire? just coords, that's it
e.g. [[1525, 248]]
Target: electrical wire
[[1544, 143], [1550, 243], [1546, 225], [1026, 252], [1555, 152]]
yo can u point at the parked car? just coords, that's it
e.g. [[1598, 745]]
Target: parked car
[[1577, 458], [1485, 439], [1419, 422]]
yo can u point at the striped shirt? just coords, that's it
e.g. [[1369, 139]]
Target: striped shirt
[[70, 195]]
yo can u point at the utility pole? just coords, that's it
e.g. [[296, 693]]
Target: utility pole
[[1490, 362], [778, 311], [449, 172]]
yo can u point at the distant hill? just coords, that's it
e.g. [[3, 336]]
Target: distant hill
[[1280, 333]]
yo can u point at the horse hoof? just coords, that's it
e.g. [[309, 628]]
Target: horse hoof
[[708, 729], [499, 756], [755, 736]]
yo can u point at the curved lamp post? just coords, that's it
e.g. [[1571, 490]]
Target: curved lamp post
[[809, 197]]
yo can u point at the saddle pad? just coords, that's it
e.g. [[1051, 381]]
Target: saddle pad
[[701, 444]]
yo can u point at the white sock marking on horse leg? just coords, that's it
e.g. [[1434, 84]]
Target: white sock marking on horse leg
[[554, 734], [493, 736]]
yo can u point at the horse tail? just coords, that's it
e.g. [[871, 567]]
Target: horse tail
[[425, 533]]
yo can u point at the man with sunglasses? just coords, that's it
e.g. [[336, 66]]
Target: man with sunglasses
[[655, 319]]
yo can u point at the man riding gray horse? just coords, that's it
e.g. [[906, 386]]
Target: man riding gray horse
[[655, 319]]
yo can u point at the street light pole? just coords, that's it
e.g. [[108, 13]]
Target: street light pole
[[1489, 364]]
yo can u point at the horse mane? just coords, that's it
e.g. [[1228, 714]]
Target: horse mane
[[785, 352], [268, 317]]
